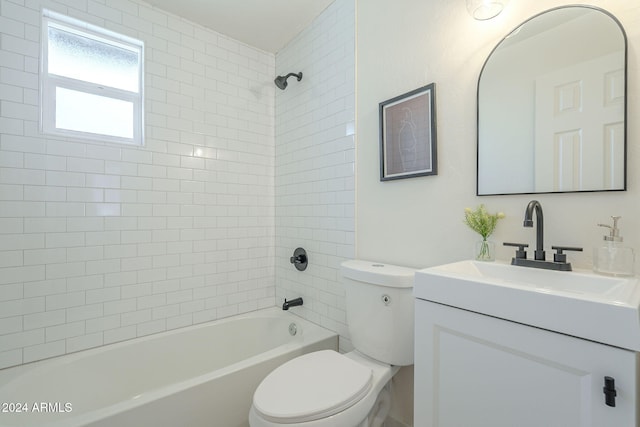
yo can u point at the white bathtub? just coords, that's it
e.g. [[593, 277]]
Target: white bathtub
[[203, 375]]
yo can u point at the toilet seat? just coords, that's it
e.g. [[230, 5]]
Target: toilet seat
[[310, 387]]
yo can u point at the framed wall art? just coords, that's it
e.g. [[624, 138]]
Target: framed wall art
[[408, 135]]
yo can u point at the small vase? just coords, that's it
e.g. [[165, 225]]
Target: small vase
[[485, 250]]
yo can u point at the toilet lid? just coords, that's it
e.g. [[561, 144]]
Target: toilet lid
[[313, 386]]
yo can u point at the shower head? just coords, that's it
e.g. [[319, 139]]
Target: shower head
[[281, 81]]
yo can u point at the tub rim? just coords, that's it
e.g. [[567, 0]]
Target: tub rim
[[319, 333]]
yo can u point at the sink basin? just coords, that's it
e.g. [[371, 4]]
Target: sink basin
[[578, 303], [585, 284]]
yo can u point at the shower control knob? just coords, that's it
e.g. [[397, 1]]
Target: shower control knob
[[299, 259]]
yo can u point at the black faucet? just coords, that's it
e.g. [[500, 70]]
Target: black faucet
[[559, 258], [292, 303], [528, 222]]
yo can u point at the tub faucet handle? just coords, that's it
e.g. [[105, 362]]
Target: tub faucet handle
[[299, 259]]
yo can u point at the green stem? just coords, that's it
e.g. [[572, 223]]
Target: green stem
[[485, 251]]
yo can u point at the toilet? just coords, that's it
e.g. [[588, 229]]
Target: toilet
[[329, 389]]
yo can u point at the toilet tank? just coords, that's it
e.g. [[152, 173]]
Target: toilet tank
[[380, 310]]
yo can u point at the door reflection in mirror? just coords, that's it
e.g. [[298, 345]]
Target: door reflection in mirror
[[552, 106]]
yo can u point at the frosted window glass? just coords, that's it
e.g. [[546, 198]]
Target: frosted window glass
[[88, 59], [85, 112]]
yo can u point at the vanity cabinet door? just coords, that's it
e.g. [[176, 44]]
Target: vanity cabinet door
[[473, 370]]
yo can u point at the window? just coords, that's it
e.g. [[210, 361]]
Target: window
[[90, 82]]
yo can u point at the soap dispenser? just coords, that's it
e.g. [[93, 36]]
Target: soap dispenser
[[612, 258]]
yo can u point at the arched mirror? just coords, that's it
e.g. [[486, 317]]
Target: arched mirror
[[552, 106]]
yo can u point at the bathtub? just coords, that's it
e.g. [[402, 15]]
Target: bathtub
[[203, 375]]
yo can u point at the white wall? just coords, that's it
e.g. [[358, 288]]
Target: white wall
[[417, 222], [315, 155], [406, 44], [102, 242]]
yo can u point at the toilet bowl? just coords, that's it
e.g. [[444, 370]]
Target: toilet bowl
[[324, 389], [330, 389]]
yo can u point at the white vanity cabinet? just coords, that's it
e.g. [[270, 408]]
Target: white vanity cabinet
[[475, 370]]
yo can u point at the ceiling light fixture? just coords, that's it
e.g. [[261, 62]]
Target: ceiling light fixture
[[485, 9]]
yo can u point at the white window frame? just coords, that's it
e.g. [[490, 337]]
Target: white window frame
[[49, 82]]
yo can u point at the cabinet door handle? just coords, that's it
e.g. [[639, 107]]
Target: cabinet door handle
[[609, 391]]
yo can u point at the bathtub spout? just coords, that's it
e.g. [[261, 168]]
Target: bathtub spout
[[292, 303]]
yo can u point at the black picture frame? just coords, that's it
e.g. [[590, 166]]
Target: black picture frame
[[408, 135]]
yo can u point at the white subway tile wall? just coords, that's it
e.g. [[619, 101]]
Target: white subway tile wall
[[315, 160], [102, 242]]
